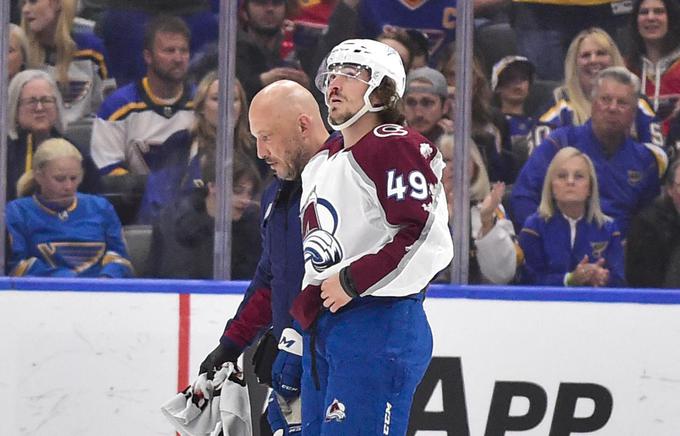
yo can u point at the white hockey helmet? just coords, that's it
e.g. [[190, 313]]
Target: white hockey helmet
[[379, 59]]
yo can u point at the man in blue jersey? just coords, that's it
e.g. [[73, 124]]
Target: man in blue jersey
[[135, 120], [628, 172]]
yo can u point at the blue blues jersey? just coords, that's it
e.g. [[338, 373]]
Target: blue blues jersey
[[549, 255], [435, 18], [628, 181], [645, 129], [83, 240], [131, 126], [519, 126]]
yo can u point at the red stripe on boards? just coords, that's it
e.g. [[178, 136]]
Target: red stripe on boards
[[183, 342]]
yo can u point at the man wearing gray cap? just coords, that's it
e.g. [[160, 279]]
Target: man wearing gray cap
[[425, 103]]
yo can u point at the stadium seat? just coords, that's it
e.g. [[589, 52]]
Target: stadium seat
[[540, 97], [80, 133], [138, 240], [493, 42], [125, 193]]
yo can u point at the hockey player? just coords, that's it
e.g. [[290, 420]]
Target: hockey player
[[628, 171], [375, 232]]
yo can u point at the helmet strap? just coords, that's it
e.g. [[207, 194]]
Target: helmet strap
[[367, 107]]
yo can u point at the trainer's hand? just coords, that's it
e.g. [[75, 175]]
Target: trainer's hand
[[217, 357], [334, 297]]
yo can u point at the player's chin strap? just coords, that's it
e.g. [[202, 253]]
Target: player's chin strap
[[367, 107]]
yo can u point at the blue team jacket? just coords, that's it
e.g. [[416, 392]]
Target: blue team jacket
[[548, 254], [628, 181], [278, 277]]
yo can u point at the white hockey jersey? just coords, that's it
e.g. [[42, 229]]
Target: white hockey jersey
[[131, 126], [379, 209]]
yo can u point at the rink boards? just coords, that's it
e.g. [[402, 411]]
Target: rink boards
[[79, 355]]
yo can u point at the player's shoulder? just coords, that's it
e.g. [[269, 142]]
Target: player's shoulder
[[397, 140]]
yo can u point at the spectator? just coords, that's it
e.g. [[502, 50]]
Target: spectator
[[653, 244], [426, 104], [122, 26], [260, 57], [183, 238], [136, 119], [178, 169], [75, 59], [656, 48], [494, 252], [544, 28], [18, 50], [55, 231], [431, 25], [656, 54], [489, 129], [400, 40], [310, 21], [35, 113], [590, 52], [628, 172], [511, 79], [569, 241]]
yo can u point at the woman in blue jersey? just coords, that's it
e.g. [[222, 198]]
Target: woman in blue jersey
[[591, 51], [57, 232], [74, 58], [569, 241]]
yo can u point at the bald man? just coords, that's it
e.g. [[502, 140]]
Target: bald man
[[285, 119]]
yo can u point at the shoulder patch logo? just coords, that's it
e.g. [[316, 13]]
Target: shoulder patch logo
[[319, 222], [634, 177], [335, 412], [598, 248], [425, 150]]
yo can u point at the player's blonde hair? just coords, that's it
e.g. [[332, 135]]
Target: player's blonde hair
[[48, 151], [64, 43], [578, 98], [548, 206]]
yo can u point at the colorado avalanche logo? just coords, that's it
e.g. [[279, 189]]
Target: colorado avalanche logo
[[319, 223]]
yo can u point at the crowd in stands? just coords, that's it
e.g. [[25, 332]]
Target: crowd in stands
[[575, 120]]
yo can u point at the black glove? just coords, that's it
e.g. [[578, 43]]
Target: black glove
[[218, 356]]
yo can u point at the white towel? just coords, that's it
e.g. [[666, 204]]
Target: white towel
[[217, 407]]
